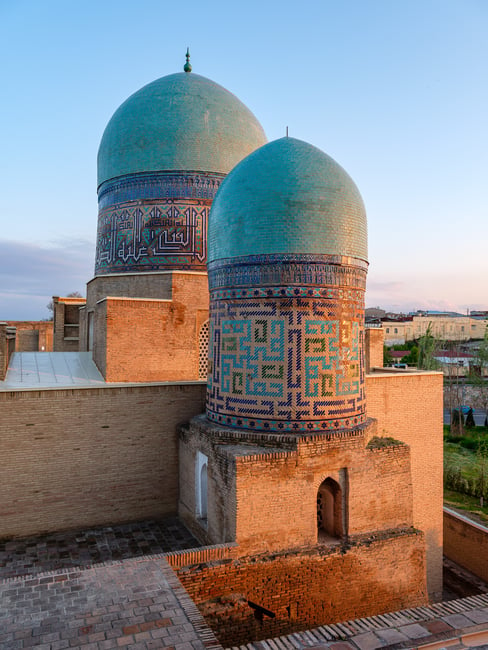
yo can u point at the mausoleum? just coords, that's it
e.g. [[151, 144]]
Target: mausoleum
[[162, 158]]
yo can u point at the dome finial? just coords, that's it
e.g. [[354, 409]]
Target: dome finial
[[187, 66]]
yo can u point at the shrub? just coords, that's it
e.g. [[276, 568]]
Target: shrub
[[457, 421], [470, 423]]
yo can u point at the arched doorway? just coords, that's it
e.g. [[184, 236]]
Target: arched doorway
[[329, 509]]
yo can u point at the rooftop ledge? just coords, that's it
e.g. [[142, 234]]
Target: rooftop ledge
[[402, 371]]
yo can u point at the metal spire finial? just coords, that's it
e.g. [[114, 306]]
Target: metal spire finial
[[187, 66]]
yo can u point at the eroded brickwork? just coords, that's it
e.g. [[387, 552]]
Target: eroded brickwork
[[308, 587], [262, 488]]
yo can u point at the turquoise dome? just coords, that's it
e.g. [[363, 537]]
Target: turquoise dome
[[179, 122], [288, 197]]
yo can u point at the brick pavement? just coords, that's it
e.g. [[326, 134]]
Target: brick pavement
[[111, 587], [97, 589], [32, 555], [135, 604]]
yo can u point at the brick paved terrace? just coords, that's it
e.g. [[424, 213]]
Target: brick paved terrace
[[99, 589], [82, 548], [111, 587]]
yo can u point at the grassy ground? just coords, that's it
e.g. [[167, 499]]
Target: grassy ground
[[461, 458], [465, 459], [467, 505]]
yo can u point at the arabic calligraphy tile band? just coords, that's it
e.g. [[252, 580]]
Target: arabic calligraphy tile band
[[151, 222]]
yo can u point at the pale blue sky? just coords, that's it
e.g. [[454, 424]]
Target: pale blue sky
[[396, 92]]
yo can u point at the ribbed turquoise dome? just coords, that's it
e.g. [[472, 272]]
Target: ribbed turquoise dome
[[288, 197], [179, 122]]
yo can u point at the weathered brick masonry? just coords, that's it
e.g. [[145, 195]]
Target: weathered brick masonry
[[83, 457], [307, 587], [262, 488], [408, 407]]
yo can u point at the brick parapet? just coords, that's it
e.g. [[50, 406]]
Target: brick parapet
[[199, 556], [466, 543]]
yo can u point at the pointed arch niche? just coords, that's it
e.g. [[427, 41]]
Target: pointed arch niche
[[330, 510], [201, 487]]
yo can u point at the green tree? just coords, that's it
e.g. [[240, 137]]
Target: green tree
[[477, 371], [428, 345], [482, 473], [413, 357], [387, 358]]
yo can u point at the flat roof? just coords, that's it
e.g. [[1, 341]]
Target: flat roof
[[51, 370]]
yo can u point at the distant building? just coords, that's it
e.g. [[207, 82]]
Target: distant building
[[32, 336], [446, 327]]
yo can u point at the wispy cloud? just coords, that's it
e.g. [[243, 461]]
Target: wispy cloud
[[31, 274]]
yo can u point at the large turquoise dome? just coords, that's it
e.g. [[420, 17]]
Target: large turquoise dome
[[179, 122], [288, 197]]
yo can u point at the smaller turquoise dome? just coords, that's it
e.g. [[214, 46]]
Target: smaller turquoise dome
[[288, 197]]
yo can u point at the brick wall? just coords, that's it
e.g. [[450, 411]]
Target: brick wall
[[308, 587], [154, 340], [4, 350], [66, 323], [408, 407], [99, 336], [262, 488], [83, 457], [373, 347], [130, 285], [466, 543], [33, 336]]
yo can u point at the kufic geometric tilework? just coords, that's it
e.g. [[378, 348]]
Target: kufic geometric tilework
[[287, 363]]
